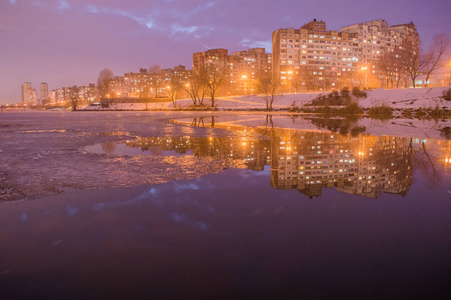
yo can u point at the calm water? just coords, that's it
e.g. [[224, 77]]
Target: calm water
[[310, 215]]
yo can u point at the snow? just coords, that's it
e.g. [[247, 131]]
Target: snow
[[396, 98], [406, 98]]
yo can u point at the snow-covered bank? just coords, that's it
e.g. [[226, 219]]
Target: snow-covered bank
[[397, 98], [407, 98]]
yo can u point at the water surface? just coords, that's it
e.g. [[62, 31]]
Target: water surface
[[290, 213]]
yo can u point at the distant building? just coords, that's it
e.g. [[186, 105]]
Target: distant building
[[217, 58], [241, 69], [26, 92], [29, 94], [44, 93]]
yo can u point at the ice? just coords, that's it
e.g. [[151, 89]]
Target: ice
[[43, 153]]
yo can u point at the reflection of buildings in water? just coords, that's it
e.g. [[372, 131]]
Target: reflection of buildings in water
[[310, 161], [365, 165], [256, 153]]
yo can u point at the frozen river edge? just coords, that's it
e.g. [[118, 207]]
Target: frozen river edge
[[41, 153]]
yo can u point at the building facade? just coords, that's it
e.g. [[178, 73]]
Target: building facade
[[241, 69], [44, 93], [312, 58]]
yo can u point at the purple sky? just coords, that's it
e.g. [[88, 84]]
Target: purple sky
[[67, 42]]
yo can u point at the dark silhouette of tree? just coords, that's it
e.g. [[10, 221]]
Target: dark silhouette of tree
[[173, 88], [212, 78], [103, 81], [73, 97], [196, 89], [411, 62], [269, 88], [389, 66], [435, 57], [155, 69]]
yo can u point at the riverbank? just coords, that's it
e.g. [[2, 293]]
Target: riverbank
[[403, 99]]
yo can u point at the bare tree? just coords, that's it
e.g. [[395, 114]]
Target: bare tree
[[269, 88], [145, 96], [173, 88], [196, 89], [388, 65], [436, 55], [411, 62], [155, 69], [73, 96], [104, 80], [213, 78]]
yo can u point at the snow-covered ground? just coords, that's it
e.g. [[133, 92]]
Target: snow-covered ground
[[407, 98], [397, 98]]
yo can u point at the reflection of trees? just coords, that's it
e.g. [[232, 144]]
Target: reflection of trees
[[425, 162], [446, 132], [269, 125], [343, 125], [108, 147], [198, 122], [394, 156]]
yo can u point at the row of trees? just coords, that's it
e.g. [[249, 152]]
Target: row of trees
[[204, 83], [410, 61]]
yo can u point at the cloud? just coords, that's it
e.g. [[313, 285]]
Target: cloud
[[63, 5], [146, 21], [256, 44], [176, 28]]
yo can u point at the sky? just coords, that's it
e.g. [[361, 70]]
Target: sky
[[68, 42]]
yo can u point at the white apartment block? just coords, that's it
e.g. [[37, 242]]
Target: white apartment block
[[312, 58]]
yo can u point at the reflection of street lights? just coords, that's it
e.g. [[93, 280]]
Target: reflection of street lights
[[366, 74]]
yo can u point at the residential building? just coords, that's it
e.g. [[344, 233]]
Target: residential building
[[26, 92], [44, 93], [312, 58], [240, 69]]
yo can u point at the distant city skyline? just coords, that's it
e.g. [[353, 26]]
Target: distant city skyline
[[67, 42]]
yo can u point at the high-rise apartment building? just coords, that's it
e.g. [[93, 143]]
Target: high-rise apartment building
[[217, 58], [312, 58], [44, 93], [26, 92]]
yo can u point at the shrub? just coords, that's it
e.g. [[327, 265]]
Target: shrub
[[438, 113], [407, 114], [293, 108], [345, 92], [352, 109], [358, 93], [447, 94], [421, 113], [381, 112], [357, 130]]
